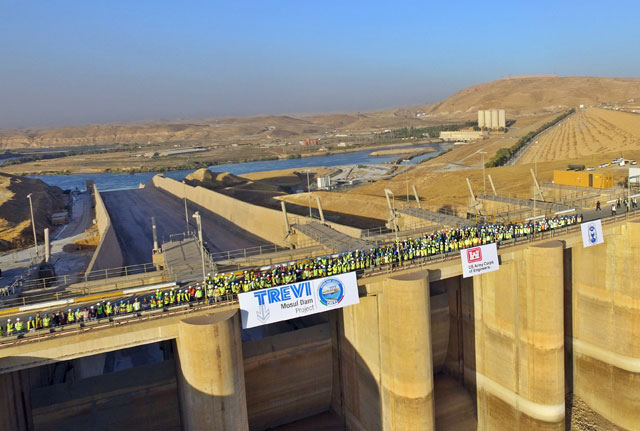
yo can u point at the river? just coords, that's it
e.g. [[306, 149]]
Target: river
[[107, 182]]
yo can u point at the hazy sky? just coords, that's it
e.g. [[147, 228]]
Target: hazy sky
[[90, 61]]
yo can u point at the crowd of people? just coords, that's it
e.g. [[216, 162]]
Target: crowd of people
[[219, 287]]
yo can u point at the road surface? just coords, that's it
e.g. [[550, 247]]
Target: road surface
[[131, 212]]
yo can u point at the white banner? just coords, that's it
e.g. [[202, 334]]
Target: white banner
[[592, 233], [479, 260], [274, 304]]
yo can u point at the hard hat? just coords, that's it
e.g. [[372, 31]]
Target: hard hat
[[108, 303], [8, 320], [92, 307], [30, 317], [17, 318], [45, 315]]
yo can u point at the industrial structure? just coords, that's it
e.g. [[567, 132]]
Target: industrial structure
[[463, 135], [492, 119], [557, 317]]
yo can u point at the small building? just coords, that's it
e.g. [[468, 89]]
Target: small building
[[583, 179], [463, 135]]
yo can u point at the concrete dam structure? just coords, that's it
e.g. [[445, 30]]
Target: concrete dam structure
[[556, 318]]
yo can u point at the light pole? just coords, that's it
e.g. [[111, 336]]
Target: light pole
[[309, 194], [186, 213], [33, 223], [196, 215], [484, 178], [535, 159]]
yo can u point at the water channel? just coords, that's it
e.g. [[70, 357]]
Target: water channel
[[107, 182]]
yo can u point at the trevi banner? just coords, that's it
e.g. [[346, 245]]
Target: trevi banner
[[274, 304]]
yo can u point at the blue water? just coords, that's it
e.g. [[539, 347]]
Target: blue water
[[107, 182]]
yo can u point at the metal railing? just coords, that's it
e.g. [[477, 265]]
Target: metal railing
[[230, 299], [247, 252]]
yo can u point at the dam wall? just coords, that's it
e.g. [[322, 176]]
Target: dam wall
[[263, 222], [604, 332], [556, 318], [108, 253]]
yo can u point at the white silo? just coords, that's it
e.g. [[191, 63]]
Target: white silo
[[494, 118], [487, 119], [502, 118], [480, 119]]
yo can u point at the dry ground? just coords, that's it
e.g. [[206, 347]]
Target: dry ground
[[589, 132]]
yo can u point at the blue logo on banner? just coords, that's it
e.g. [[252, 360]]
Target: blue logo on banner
[[593, 234], [331, 292]]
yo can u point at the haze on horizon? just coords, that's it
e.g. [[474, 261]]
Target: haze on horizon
[[75, 62]]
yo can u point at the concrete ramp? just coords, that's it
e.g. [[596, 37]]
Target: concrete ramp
[[331, 238], [434, 217], [541, 205], [183, 259]]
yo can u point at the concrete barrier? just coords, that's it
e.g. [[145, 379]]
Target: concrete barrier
[[108, 253], [263, 222]]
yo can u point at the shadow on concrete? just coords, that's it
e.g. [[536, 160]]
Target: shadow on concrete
[[129, 399]]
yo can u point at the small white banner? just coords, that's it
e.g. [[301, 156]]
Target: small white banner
[[274, 304], [478, 260], [592, 233]]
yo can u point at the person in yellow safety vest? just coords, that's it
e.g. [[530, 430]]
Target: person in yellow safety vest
[[187, 296], [38, 320], [152, 303], [210, 293], [31, 324], [166, 299], [108, 309], [71, 317], [158, 294], [199, 293], [9, 327], [78, 315], [46, 321], [136, 305], [19, 326], [172, 297], [129, 307]]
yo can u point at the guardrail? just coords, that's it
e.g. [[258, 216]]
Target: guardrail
[[100, 274], [247, 252]]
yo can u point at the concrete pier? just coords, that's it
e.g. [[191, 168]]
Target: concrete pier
[[405, 353], [606, 326], [211, 373], [520, 341], [386, 357]]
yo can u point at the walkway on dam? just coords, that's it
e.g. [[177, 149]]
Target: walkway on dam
[[331, 238], [541, 205], [435, 217]]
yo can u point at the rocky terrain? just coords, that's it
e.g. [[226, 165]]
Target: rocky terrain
[[15, 219]]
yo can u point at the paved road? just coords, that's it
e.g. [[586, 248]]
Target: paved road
[[15, 264], [131, 212]]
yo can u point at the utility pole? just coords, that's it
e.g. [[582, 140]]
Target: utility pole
[[33, 223], [196, 215]]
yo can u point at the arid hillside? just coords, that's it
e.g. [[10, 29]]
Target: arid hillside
[[537, 94], [519, 96], [15, 219]]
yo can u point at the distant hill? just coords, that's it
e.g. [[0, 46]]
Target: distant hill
[[536, 94], [518, 95]]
